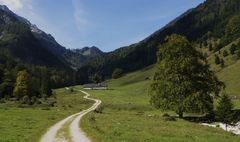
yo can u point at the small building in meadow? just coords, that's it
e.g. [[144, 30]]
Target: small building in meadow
[[95, 86]]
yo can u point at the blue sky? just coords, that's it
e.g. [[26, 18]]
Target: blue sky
[[107, 24]]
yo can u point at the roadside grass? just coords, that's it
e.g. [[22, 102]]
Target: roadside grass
[[128, 117], [28, 124]]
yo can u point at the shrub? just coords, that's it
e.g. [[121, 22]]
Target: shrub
[[117, 73], [71, 89], [233, 48], [34, 99], [222, 63], [225, 53], [92, 119], [99, 109], [2, 101], [238, 54], [217, 60], [25, 100], [46, 108], [167, 117], [51, 102]]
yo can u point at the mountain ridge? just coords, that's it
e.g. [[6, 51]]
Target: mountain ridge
[[210, 17], [47, 42]]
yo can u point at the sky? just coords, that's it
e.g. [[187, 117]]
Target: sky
[[107, 24]]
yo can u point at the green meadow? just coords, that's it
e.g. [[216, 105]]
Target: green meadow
[[19, 123], [127, 116]]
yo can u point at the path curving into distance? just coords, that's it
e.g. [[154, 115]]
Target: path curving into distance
[[76, 133]]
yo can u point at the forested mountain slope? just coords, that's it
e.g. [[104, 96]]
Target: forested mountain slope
[[207, 21]]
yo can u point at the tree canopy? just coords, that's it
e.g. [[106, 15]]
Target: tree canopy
[[183, 81], [22, 86], [117, 73]]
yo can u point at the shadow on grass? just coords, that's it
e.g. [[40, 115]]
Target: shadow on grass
[[200, 119], [210, 118]]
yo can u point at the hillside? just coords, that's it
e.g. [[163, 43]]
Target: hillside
[[29, 43], [197, 24], [126, 115]]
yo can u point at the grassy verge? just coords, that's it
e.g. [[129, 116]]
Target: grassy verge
[[28, 124], [127, 116]]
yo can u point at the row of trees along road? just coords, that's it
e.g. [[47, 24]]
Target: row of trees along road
[[183, 81]]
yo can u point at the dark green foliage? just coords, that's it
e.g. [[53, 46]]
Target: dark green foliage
[[224, 110], [25, 100], [233, 29], [205, 55], [167, 117], [225, 53], [117, 73], [205, 43], [42, 79], [45, 82], [183, 81], [99, 109], [217, 60], [22, 44], [210, 47], [238, 54], [218, 47], [222, 63], [7, 85], [233, 48], [96, 78]]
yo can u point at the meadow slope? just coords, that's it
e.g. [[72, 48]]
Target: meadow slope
[[128, 116]]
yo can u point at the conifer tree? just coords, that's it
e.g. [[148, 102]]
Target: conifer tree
[[224, 110], [217, 60]]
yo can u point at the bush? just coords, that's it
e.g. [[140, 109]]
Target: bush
[[50, 102], [167, 117], [25, 100], [71, 89], [92, 119], [117, 73], [233, 48], [238, 54], [34, 99], [99, 109], [225, 53], [38, 102], [46, 108], [217, 60], [2, 101], [222, 63]]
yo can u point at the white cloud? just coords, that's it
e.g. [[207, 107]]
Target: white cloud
[[12, 4], [79, 16]]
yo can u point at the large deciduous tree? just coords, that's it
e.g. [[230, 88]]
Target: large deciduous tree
[[183, 81], [22, 86]]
